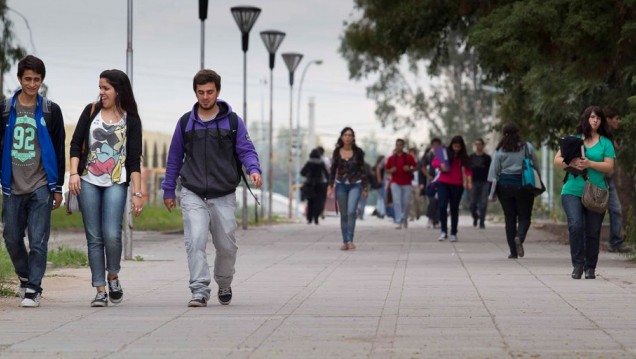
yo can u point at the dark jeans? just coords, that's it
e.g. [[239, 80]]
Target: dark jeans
[[584, 229], [31, 212], [479, 201], [315, 204], [517, 206], [449, 194], [615, 214]]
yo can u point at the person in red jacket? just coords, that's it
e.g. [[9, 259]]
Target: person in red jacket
[[401, 167], [455, 176]]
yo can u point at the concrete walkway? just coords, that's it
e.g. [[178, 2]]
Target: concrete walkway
[[401, 294]]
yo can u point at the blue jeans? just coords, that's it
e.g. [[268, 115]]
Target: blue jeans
[[401, 200], [449, 194], [102, 212], [479, 201], [584, 229], [30, 212], [615, 213], [348, 196], [380, 207]]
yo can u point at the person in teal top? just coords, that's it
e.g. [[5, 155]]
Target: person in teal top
[[584, 226]]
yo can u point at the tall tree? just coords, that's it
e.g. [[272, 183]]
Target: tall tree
[[10, 51], [380, 42]]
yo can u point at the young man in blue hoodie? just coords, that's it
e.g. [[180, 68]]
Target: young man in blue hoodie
[[206, 154], [33, 164]]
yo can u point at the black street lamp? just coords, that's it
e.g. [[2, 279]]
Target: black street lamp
[[292, 60], [272, 40], [245, 17], [203, 14]]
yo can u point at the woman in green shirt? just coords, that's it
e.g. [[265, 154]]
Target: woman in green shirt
[[584, 226]]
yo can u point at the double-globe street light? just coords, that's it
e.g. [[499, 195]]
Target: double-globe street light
[[272, 40], [245, 17], [292, 60], [298, 150]]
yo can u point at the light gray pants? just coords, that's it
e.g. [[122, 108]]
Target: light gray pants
[[216, 216]]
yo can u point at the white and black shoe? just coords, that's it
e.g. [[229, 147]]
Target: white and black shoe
[[115, 293], [101, 300], [225, 295], [31, 299], [198, 302], [442, 237]]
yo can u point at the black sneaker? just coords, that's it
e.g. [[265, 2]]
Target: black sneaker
[[225, 295], [621, 248], [115, 293], [198, 302], [101, 300]]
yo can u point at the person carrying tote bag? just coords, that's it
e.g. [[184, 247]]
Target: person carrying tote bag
[[597, 160], [506, 176]]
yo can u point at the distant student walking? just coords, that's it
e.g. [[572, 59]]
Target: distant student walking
[[348, 178], [455, 176], [401, 166], [516, 202], [479, 165], [314, 171]]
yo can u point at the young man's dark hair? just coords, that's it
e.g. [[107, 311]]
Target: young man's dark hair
[[32, 63], [206, 76], [610, 112], [480, 140], [436, 140]]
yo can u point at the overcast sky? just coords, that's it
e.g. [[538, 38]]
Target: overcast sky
[[77, 39]]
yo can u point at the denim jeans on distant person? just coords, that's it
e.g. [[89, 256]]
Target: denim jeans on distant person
[[584, 229], [479, 201], [102, 212], [516, 203], [380, 206], [449, 194], [615, 213], [30, 212], [401, 201], [348, 195]]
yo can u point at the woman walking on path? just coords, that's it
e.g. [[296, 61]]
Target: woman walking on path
[[314, 171], [350, 181], [505, 174], [105, 157], [455, 176], [584, 226]]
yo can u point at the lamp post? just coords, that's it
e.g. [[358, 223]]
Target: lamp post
[[245, 17], [292, 60], [272, 40], [203, 14], [298, 152]]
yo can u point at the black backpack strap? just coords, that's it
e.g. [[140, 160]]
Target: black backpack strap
[[233, 118], [183, 123]]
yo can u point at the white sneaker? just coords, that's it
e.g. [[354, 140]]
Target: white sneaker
[[31, 299], [442, 237], [453, 238]]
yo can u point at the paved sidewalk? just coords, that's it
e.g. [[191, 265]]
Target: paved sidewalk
[[401, 294]]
